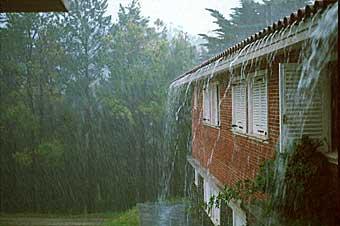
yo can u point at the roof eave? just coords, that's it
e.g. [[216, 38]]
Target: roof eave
[[302, 14], [15, 6]]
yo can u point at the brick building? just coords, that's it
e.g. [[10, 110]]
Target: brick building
[[244, 108]]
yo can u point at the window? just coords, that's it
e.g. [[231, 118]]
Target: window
[[250, 105], [239, 105], [196, 95], [211, 108], [238, 218], [209, 191], [258, 104], [206, 187], [308, 114], [196, 177]]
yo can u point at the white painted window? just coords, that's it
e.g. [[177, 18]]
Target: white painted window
[[216, 210], [258, 104], [196, 177], [206, 105], [239, 105], [210, 190], [196, 96], [211, 108], [303, 116], [239, 218], [206, 191]]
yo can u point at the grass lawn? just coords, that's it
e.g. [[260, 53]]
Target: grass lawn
[[128, 218]]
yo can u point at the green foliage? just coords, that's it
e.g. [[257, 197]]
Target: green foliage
[[265, 179], [20, 117], [128, 218], [304, 181], [23, 158], [82, 108], [51, 153], [117, 110]]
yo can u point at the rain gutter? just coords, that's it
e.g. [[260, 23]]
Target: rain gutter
[[301, 24]]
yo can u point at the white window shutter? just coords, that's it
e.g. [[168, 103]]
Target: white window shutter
[[214, 100], [239, 105], [238, 220], [217, 210], [196, 95], [206, 191], [209, 191], [196, 177], [298, 118], [206, 105], [211, 104], [217, 103], [260, 105]]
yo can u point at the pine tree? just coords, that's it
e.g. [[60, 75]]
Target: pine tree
[[247, 19]]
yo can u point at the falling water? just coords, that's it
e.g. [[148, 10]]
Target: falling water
[[313, 60], [313, 63], [168, 212], [175, 103]]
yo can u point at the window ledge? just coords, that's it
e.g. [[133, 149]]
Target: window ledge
[[211, 125], [260, 139], [332, 157]]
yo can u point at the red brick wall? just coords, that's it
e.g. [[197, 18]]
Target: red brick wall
[[235, 157]]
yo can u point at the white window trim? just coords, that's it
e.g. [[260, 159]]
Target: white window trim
[[251, 132], [248, 130], [237, 212], [196, 179], [210, 189], [235, 126], [196, 96], [213, 120], [326, 105]]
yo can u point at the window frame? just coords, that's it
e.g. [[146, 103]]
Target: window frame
[[250, 108], [235, 126], [323, 90], [196, 178], [214, 110], [209, 190], [239, 215], [196, 96]]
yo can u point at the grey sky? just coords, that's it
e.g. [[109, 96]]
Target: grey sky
[[189, 15]]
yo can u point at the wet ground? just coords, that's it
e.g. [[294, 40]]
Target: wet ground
[[164, 214], [149, 214], [42, 221]]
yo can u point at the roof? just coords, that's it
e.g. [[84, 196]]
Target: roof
[[305, 13], [34, 5]]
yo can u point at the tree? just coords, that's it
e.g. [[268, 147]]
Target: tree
[[83, 108], [86, 29], [245, 20]]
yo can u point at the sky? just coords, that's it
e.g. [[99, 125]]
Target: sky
[[187, 15]]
